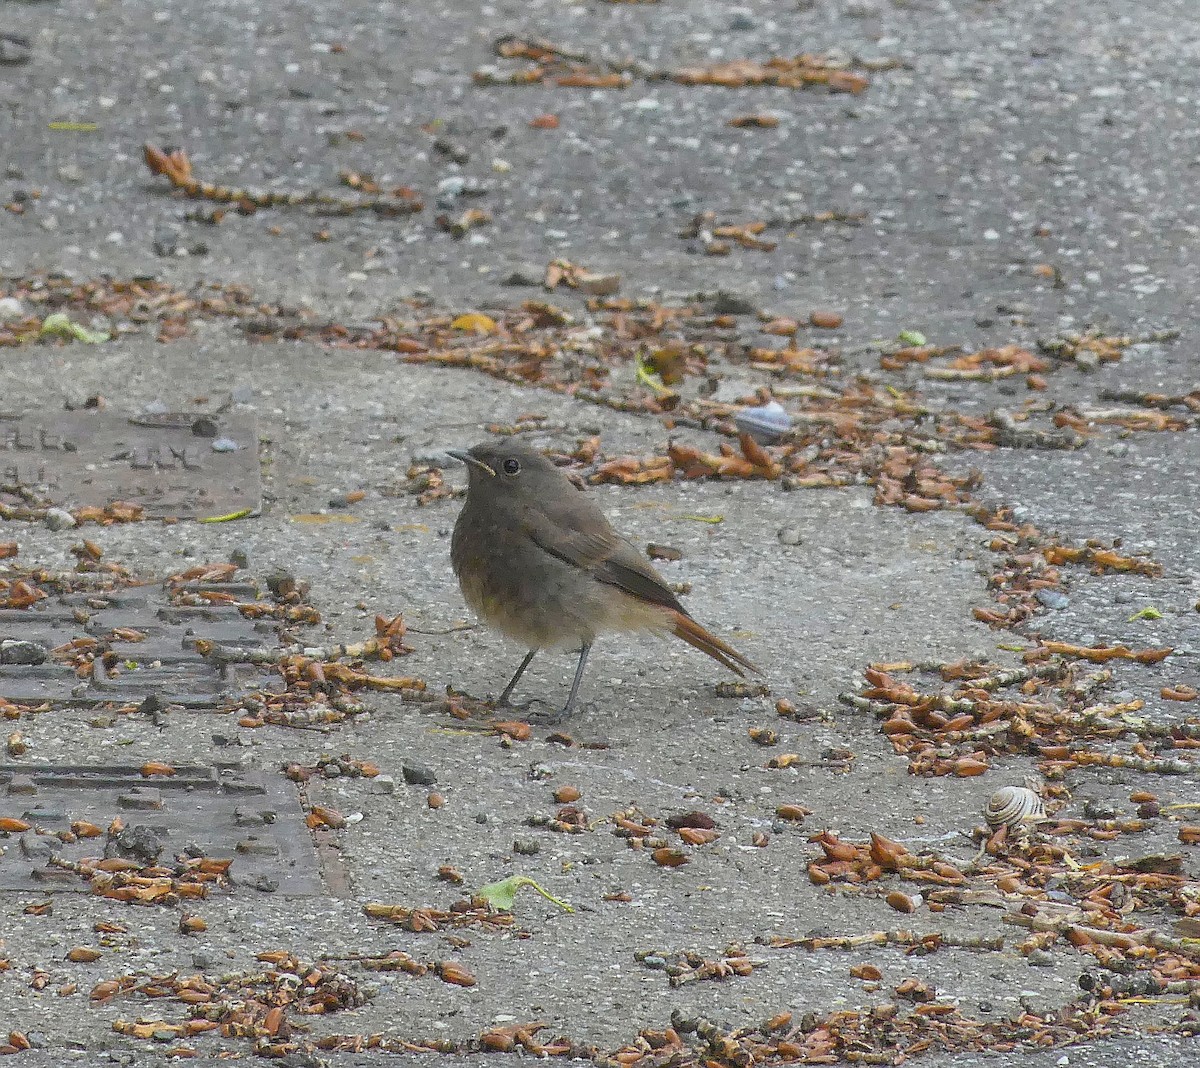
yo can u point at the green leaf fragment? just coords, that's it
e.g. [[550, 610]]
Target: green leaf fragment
[[503, 894], [226, 518], [1146, 613], [911, 337], [649, 377], [60, 325]]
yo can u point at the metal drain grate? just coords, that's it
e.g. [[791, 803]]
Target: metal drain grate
[[182, 465], [164, 665], [222, 811]]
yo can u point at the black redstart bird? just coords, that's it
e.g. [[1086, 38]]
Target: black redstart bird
[[537, 560]]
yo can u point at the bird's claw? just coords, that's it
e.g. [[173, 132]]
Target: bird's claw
[[550, 718]]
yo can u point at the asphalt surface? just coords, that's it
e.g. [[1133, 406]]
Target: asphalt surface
[[1011, 140]]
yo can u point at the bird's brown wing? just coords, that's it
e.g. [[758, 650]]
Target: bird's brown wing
[[588, 542], [584, 538]]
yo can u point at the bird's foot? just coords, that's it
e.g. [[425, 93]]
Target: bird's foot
[[553, 718], [546, 715], [505, 704]]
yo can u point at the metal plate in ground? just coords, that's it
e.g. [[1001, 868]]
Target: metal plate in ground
[[253, 817], [165, 463], [165, 664]]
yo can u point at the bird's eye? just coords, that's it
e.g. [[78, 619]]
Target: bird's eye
[[511, 466]]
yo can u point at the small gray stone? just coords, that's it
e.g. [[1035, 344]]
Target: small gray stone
[[135, 843], [281, 582], [383, 784], [225, 445], [418, 775], [450, 189], [527, 847], [263, 883], [11, 309], [1123, 597], [600, 285], [166, 241], [523, 276], [1096, 809], [242, 394], [15, 49], [59, 519], [14, 651], [726, 303], [790, 536], [34, 848], [450, 150], [240, 556], [741, 22], [1055, 600]]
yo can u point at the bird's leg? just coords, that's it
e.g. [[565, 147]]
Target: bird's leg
[[566, 709], [502, 701]]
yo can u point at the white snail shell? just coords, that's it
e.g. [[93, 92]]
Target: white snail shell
[[1011, 805]]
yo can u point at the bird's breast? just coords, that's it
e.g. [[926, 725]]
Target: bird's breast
[[534, 597]]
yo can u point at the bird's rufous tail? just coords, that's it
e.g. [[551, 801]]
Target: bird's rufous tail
[[699, 638]]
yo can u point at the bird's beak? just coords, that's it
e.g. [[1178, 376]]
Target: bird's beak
[[470, 461]]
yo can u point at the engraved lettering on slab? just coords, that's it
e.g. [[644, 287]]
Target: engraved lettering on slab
[[164, 463]]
